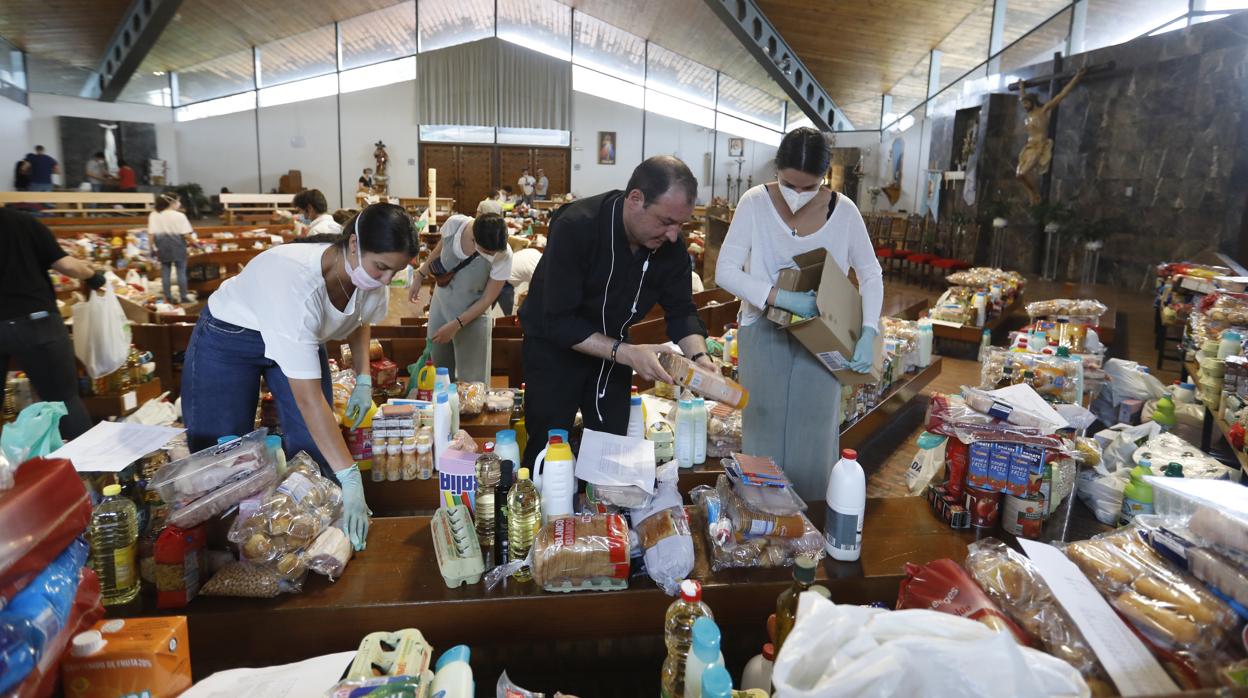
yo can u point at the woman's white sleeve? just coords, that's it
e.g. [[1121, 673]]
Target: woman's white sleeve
[[730, 270], [867, 268]]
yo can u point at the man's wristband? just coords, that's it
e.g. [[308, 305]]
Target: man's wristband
[[461, 322], [698, 355], [615, 348]]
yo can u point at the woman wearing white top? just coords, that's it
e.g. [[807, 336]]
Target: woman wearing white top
[[273, 320], [476, 250], [794, 411], [168, 229], [314, 217]]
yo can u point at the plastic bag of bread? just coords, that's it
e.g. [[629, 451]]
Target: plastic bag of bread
[[1010, 580], [662, 532], [208, 482], [463, 441], [944, 586], [588, 552], [471, 399], [500, 401], [330, 553], [1170, 608], [730, 549]]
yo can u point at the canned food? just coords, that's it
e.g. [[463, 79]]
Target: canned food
[[984, 506], [1023, 517]]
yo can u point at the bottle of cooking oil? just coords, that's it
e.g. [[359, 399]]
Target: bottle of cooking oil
[[114, 537], [489, 469], [786, 605], [678, 633], [524, 516]]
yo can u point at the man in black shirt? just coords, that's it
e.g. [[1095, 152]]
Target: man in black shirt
[[31, 330], [610, 258]]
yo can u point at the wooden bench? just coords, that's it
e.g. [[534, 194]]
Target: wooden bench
[[79, 203], [232, 260], [234, 204], [56, 223]]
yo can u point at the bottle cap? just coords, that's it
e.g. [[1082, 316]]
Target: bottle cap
[[691, 590], [112, 490], [443, 397], [504, 437], [699, 402], [556, 439], [706, 636], [769, 652], [804, 569], [849, 454], [87, 643], [444, 371], [273, 442], [716, 682], [557, 432], [458, 653], [489, 448], [523, 474], [1063, 352], [686, 404]]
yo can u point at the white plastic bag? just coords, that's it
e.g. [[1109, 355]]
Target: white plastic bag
[[927, 463], [837, 651], [1128, 381], [1102, 493], [662, 531], [1118, 454], [101, 337]]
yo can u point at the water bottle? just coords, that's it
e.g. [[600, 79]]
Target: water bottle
[[757, 673], [524, 512], [705, 655], [699, 431], [985, 343], [114, 538], [678, 635], [847, 504], [684, 433], [558, 481], [925, 343]]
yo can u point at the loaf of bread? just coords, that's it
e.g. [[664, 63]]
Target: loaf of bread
[[578, 549], [1155, 617]]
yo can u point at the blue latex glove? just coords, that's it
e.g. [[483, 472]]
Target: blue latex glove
[[355, 511], [864, 351], [361, 401], [797, 302]]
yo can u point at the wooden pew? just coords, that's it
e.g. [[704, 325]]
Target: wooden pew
[[77, 202], [234, 204]]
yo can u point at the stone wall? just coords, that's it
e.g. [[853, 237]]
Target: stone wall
[[1157, 149]]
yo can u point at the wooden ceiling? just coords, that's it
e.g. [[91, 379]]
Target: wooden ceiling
[[70, 31]]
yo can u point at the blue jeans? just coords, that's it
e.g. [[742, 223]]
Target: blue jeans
[[41, 186], [221, 388], [166, 284]]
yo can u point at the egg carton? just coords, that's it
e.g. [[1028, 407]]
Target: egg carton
[[456, 546]]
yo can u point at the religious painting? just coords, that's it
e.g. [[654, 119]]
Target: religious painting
[[606, 147], [736, 147], [931, 197], [898, 154]]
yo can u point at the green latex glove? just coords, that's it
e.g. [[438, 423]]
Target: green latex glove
[[355, 511], [864, 351]]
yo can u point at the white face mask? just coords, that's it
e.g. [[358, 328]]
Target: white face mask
[[487, 257], [796, 199]]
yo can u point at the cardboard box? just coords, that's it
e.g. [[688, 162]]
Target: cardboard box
[[832, 335], [803, 277], [140, 657]]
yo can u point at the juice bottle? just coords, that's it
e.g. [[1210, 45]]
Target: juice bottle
[[678, 634], [786, 603], [114, 537], [488, 470], [524, 512]]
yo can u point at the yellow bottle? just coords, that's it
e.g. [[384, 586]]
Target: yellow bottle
[[114, 538]]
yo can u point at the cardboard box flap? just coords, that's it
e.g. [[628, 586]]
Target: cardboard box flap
[[806, 272]]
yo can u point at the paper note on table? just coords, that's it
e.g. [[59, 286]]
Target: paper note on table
[[611, 460], [108, 447], [1129, 663], [1026, 397], [311, 677], [946, 323]]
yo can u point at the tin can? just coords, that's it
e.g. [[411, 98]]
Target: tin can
[[1023, 517], [984, 506]]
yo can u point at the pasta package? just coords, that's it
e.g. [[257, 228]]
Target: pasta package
[[586, 552]]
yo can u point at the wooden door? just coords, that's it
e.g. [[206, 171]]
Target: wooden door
[[511, 162], [445, 160], [556, 163], [475, 179]]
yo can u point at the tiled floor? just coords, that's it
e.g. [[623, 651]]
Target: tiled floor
[[1135, 316]]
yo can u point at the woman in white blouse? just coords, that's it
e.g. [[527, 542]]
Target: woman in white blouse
[[168, 230], [273, 321], [794, 411]]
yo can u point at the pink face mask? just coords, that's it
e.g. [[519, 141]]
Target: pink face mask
[[359, 277]]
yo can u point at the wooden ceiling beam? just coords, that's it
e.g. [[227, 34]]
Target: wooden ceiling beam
[[140, 27]]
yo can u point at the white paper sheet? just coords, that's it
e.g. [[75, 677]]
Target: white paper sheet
[[1129, 663], [311, 677], [1025, 397], [610, 460], [109, 447]]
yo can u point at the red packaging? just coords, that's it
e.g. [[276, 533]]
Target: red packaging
[[944, 586], [179, 559], [984, 506], [87, 609], [385, 373], [44, 511], [956, 459]]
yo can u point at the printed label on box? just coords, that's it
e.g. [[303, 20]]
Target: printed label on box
[[999, 466], [833, 360], [977, 469]]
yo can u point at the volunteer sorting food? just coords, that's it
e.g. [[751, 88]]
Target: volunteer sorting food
[[610, 258], [470, 264], [792, 414], [272, 321]]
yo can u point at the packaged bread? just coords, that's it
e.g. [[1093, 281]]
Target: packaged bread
[[944, 586], [1010, 580], [471, 399], [586, 552]]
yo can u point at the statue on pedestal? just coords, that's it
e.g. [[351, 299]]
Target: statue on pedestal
[[381, 178], [1037, 154]]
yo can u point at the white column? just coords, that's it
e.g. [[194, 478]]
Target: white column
[[1078, 25], [996, 36]]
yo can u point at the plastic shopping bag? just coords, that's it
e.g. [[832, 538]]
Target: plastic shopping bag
[[837, 650], [37, 432], [101, 338]]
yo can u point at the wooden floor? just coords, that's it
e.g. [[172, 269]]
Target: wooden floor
[[1135, 317]]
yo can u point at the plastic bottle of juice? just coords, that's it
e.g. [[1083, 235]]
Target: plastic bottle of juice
[[524, 515], [114, 537], [678, 634], [786, 603], [489, 469]]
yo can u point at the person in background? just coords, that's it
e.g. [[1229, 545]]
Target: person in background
[[342, 216], [168, 229], [126, 179], [32, 334], [490, 206], [610, 259], [476, 251], [314, 217], [523, 264], [42, 167], [542, 188], [273, 320], [97, 172], [508, 197], [526, 184], [366, 180], [794, 411], [21, 176]]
